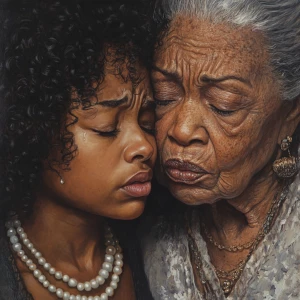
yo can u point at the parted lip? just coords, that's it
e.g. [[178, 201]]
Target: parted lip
[[184, 166], [140, 177]]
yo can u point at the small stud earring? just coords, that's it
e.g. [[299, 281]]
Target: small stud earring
[[286, 167], [61, 179]]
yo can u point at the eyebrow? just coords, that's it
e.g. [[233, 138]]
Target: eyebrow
[[173, 75], [206, 78], [113, 103]]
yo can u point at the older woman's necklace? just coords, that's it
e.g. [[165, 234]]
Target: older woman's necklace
[[229, 278], [113, 263]]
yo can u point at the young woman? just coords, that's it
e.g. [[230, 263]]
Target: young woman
[[77, 149]]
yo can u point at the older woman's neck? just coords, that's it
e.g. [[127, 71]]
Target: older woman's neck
[[247, 211]]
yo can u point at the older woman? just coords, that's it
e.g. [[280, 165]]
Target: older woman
[[226, 79]]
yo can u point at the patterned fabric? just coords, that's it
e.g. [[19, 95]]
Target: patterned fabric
[[273, 271]]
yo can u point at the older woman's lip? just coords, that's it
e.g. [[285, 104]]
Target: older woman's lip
[[183, 171]]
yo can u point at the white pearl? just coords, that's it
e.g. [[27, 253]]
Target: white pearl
[[58, 275], [41, 278], [103, 273], [100, 280], [117, 270], [33, 251], [109, 291], [37, 273], [107, 266], [103, 296], [28, 262], [115, 278], [83, 297], [17, 247], [9, 224], [51, 288], [111, 250], [90, 298], [17, 223], [114, 284], [42, 261], [32, 267], [80, 286], [38, 254], [109, 258], [47, 266], [24, 258], [20, 230], [11, 232], [52, 271], [97, 298], [20, 253], [46, 283], [118, 249], [26, 242], [72, 297], [72, 282], [78, 297], [87, 286], [23, 236], [66, 278], [119, 263], [94, 284], [30, 246], [59, 293], [66, 296], [119, 256]]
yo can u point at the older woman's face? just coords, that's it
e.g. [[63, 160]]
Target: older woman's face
[[219, 114]]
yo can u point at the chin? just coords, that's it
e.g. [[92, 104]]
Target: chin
[[130, 210], [191, 195]]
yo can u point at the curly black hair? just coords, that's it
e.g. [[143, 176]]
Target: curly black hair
[[49, 49]]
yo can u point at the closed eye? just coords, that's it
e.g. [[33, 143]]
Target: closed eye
[[111, 133], [163, 102], [222, 112]]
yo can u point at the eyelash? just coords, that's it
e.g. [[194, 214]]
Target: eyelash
[[151, 131], [163, 103], [112, 133], [221, 112]]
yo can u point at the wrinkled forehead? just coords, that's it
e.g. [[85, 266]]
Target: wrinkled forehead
[[193, 42]]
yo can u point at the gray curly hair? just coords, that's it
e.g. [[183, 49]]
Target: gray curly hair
[[279, 20]]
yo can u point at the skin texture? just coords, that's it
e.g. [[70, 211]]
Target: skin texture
[[67, 220], [219, 109]]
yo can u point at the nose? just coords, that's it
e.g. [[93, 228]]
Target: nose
[[187, 127], [139, 147]]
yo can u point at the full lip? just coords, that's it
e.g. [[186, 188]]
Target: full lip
[[184, 171], [139, 185]]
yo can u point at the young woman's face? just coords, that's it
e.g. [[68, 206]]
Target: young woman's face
[[111, 172]]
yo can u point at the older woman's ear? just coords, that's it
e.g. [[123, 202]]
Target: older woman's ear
[[292, 119]]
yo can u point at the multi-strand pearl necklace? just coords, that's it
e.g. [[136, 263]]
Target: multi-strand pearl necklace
[[113, 262]]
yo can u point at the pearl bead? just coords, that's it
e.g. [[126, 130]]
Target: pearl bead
[[30, 246], [59, 293], [66, 296], [103, 273], [118, 249], [72, 297], [97, 298], [109, 291], [11, 232], [23, 236], [107, 266], [20, 230], [42, 261], [26, 242], [38, 254], [115, 278], [37, 273], [66, 278], [72, 282], [111, 250], [20, 253], [32, 267], [109, 258], [17, 223], [78, 297], [90, 298], [119, 263], [94, 284], [42, 278], [47, 266], [117, 270], [119, 256], [80, 286], [100, 280], [9, 224], [46, 283], [17, 247], [33, 251], [51, 288], [52, 271], [114, 285], [87, 286], [28, 262], [83, 297], [24, 258], [58, 275], [103, 296]]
